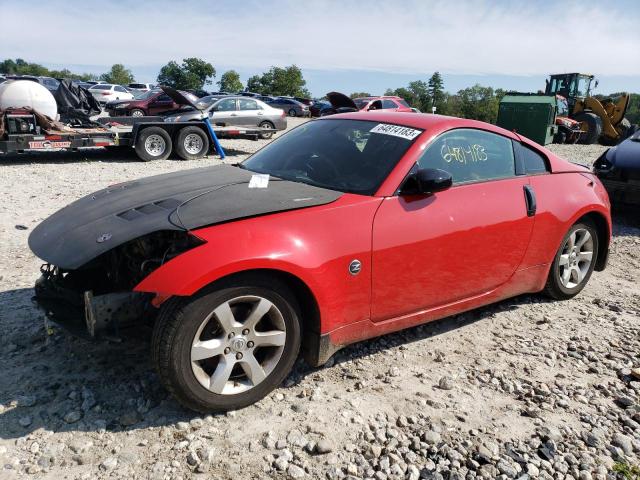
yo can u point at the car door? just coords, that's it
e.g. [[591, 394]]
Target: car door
[[225, 112], [249, 112], [161, 103], [434, 250]]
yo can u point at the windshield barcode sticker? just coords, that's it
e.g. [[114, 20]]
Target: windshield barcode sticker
[[259, 180], [396, 131]]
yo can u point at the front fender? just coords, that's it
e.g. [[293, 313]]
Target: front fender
[[315, 244]]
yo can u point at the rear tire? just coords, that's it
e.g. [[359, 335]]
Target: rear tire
[[153, 143], [136, 112], [226, 376], [192, 143], [574, 262], [292, 112], [593, 124], [267, 135]]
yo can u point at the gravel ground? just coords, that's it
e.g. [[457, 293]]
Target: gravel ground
[[526, 388]]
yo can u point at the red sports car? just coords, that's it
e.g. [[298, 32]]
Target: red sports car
[[345, 228]]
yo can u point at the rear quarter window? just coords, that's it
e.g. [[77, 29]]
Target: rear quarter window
[[533, 162]]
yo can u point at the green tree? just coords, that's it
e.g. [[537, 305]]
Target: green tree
[[420, 92], [280, 81], [21, 67], [192, 74], [477, 102], [254, 84], [436, 92], [230, 82], [118, 75], [359, 95]]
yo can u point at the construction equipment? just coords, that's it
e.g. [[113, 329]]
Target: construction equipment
[[600, 120]]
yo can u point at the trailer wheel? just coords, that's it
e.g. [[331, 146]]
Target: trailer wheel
[[153, 143], [192, 143], [593, 124]]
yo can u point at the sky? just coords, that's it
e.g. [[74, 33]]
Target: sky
[[348, 46]]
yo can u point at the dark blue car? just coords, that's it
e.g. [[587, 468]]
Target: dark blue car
[[619, 170]]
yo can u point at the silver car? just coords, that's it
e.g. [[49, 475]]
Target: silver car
[[293, 107], [240, 111]]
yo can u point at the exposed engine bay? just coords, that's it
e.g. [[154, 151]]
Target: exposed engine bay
[[102, 289]]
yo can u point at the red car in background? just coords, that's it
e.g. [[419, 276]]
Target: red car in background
[[389, 103], [153, 102], [345, 228]]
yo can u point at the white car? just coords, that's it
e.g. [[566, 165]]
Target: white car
[[140, 87], [106, 92]]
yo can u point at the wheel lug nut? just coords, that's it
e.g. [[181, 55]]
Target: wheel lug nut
[[245, 331], [238, 356], [231, 335], [250, 344], [227, 350]]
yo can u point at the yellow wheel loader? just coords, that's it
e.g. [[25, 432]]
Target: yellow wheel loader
[[600, 120]]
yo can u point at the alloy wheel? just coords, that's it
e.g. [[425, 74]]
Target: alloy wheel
[[238, 345], [576, 257]]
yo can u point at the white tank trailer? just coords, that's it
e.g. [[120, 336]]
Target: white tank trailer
[[25, 93]]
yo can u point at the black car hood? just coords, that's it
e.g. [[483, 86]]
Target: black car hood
[[340, 100], [626, 155], [183, 200]]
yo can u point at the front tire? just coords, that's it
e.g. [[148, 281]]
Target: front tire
[[227, 348], [574, 262], [153, 143], [593, 125], [136, 112]]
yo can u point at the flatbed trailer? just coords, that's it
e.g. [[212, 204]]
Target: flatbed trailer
[[151, 137]]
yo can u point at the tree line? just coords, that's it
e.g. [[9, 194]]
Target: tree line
[[477, 102]]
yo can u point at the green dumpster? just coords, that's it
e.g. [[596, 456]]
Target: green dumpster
[[532, 116]]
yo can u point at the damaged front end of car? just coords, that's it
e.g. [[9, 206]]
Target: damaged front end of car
[[98, 297]]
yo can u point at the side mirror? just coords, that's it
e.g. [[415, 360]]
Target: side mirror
[[425, 181]]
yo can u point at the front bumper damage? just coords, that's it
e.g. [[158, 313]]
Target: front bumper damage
[[88, 315]]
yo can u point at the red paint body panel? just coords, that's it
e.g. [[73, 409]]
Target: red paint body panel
[[445, 244], [315, 244], [423, 258]]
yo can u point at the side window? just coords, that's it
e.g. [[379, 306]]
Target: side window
[[245, 104], [389, 104], [226, 105], [534, 163], [470, 155]]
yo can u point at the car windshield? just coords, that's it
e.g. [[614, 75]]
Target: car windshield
[[145, 95], [361, 102], [352, 156]]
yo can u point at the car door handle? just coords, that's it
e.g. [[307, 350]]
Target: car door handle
[[530, 199]]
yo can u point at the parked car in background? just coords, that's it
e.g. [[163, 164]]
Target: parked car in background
[[106, 92], [265, 98], [304, 101], [140, 87], [293, 107], [96, 82], [153, 102], [50, 83], [389, 103], [199, 93], [209, 99], [619, 170], [241, 111], [319, 107]]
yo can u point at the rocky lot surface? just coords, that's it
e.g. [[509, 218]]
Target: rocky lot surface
[[526, 388]]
